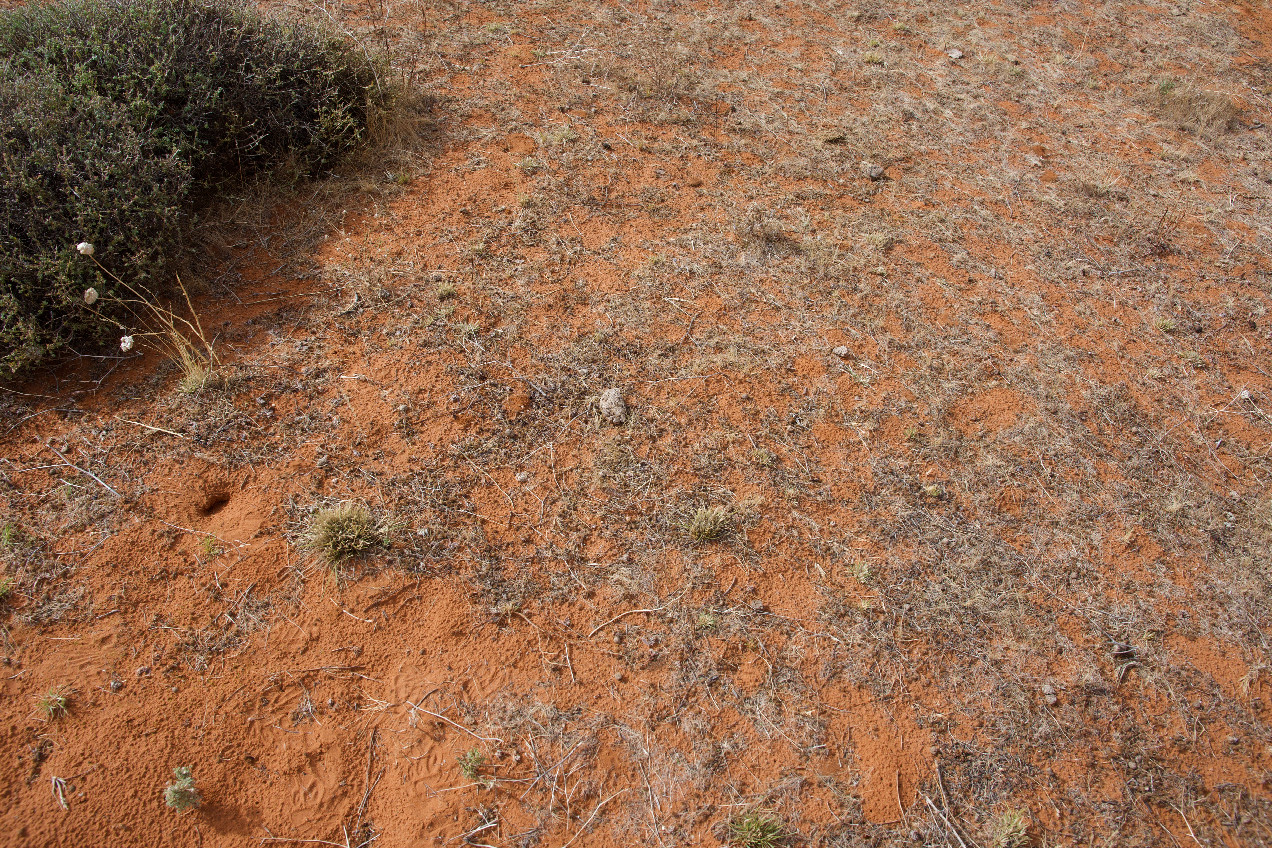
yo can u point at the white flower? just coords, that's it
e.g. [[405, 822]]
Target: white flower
[[85, 248], [90, 296], [126, 343]]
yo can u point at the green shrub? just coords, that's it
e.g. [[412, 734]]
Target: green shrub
[[182, 794], [118, 118]]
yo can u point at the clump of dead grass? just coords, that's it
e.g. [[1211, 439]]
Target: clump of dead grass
[[709, 523], [1203, 111], [344, 532]]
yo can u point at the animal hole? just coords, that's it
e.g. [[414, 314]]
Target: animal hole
[[214, 504]]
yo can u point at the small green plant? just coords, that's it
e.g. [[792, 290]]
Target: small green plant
[[54, 703], [343, 532], [446, 291], [709, 524], [6, 586], [872, 58], [757, 830], [763, 457], [707, 620], [181, 794], [470, 766], [208, 548], [1011, 830], [1166, 325]]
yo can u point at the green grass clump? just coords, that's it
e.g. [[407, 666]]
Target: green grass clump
[[340, 533], [54, 703], [756, 830], [181, 794], [118, 118]]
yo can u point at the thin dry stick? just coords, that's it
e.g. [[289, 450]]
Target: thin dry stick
[[152, 427], [949, 811], [598, 628], [578, 832], [59, 792], [202, 533], [940, 817], [1187, 824], [366, 780], [458, 726], [70, 464]]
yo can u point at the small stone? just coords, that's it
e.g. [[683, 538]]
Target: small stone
[[841, 351], [1049, 694], [143, 671], [955, 53], [523, 476], [116, 685], [872, 171], [613, 407]]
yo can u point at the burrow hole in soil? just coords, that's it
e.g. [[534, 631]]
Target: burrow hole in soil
[[214, 504]]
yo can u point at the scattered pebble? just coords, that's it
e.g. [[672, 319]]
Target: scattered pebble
[[613, 407], [116, 685], [1049, 694], [143, 671], [872, 171], [523, 476], [955, 53], [841, 351]]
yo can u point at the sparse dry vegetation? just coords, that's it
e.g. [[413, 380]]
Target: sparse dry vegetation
[[937, 513]]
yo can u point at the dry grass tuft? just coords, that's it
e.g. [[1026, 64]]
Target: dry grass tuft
[[341, 533], [1203, 111], [709, 524]]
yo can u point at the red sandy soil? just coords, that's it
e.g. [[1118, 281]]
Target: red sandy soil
[[989, 434]]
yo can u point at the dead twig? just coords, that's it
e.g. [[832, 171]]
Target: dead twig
[[70, 464], [151, 427], [456, 726], [598, 628], [583, 827]]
